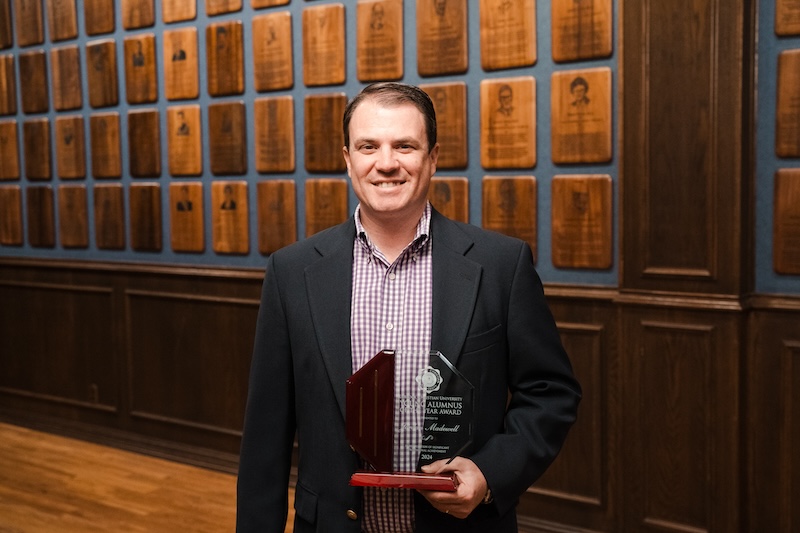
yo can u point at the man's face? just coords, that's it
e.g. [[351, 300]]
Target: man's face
[[388, 161]]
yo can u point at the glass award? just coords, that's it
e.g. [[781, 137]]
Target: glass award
[[429, 413]]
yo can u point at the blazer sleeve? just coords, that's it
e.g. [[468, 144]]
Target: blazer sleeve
[[269, 424], [543, 392]]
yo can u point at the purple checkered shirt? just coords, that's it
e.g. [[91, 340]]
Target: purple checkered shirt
[[391, 310]]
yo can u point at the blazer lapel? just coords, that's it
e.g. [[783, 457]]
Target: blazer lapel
[[455, 287], [328, 283]]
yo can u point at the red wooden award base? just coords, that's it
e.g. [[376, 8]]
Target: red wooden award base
[[405, 480]]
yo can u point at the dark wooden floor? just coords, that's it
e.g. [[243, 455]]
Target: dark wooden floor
[[50, 483]]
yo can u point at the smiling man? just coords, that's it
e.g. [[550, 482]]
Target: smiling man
[[399, 276]]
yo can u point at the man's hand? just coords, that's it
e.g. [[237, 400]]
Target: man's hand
[[471, 490]]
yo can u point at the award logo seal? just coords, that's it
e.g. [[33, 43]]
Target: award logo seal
[[429, 379]]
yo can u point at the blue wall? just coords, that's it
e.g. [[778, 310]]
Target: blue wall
[[767, 162], [544, 170]]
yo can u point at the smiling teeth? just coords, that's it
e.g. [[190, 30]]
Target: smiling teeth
[[387, 184]]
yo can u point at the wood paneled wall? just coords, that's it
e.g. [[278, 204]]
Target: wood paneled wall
[[149, 357]]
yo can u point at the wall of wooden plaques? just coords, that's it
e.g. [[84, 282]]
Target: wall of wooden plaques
[[149, 105]]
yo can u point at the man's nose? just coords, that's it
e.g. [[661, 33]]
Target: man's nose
[[387, 160]]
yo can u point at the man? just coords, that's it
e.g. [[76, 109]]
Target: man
[[398, 275]]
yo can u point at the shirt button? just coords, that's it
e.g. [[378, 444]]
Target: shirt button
[[351, 514], [390, 326], [392, 275]]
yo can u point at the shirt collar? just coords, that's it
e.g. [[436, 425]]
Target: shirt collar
[[421, 236]]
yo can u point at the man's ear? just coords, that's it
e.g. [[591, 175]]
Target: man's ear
[[346, 155]]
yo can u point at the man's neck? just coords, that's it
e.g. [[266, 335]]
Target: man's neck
[[390, 236]]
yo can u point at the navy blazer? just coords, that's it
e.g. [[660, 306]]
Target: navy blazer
[[489, 318]]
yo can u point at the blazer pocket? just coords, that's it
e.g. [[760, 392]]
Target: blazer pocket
[[478, 342], [305, 504]]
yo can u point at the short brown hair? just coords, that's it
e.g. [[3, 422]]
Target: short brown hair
[[392, 94]]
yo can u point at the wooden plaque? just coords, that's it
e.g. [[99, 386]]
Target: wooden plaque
[[73, 216], [65, 65], [33, 81], [324, 45], [10, 215], [787, 17], [62, 19], [509, 207], [36, 143], [70, 147], [277, 215], [109, 217], [326, 204], [145, 216], [178, 10], [323, 132], [180, 64], [186, 217], [379, 40], [442, 37], [508, 123], [6, 35], [9, 150], [141, 81], [272, 51], [450, 103], [227, 138], [580, 116], [258, 4], [581, 29], [218, 7], [105, 139], [41, 217], [229, 217], [787, 113], [275, 150], [138, 14], [8, 86], [786, 222], [225, 58], [508, 33], [98, 15], [30, 26], [581, 220], [102, 73], [144, 143], [450, 196], [184, 138]]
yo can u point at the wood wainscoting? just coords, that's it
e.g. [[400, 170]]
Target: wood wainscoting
[[688, 420]]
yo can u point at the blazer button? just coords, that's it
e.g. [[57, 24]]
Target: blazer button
[[351, 514]]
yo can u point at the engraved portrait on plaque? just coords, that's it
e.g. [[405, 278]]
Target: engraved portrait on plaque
[[272, 51], [323, 45], [787, 17], [450, 103], [508, 123], [102, 73], [508, 33], [787, 112], [441, 37], [180, 64], [109, 217], [274, 121], [509, 206], [277, 215], [580, 104], [379, 40], [581, 29], [186, 217], [11, 219], [9, 150], [229, 215], [581, 214]]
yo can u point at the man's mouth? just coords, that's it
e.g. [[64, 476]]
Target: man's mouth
[[389, 184]]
